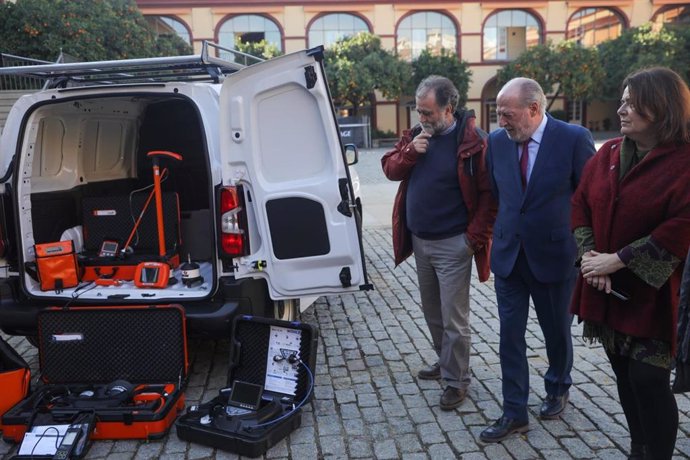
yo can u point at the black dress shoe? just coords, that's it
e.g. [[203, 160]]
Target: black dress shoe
[[502, 428], [452, 397], [432, 372], [553, 406]]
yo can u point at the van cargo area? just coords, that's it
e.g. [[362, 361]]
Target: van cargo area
[[86, 177]]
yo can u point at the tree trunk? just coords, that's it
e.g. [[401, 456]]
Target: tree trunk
[[553, 99]]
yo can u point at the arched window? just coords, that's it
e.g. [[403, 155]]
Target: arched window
[[163, 25], [249, 28], [508, 33], [591, 26], [425, 31], [329, 28], [673, 14]]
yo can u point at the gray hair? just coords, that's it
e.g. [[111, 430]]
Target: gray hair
[[445, 91], [529, 90]]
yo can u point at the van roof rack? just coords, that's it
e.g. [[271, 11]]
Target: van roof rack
[[195, 67]]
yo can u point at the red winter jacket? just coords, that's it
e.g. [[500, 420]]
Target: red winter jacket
[[474, 183], [652, 199]]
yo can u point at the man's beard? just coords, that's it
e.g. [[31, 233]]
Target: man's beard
[[435, 128]]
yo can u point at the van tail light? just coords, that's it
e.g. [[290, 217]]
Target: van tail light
[[233, 222]]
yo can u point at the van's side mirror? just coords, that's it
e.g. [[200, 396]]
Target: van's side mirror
[[351, 154]]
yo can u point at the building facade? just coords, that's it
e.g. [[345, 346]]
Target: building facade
[[486, 34]]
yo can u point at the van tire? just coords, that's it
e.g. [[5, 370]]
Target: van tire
[[286, 310]]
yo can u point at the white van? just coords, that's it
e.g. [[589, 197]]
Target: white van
[[259, 212]]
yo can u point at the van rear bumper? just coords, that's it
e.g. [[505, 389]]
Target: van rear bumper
[[207, 318]]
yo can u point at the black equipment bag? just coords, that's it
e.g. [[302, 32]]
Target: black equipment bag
[[126, 364], [278, 356]]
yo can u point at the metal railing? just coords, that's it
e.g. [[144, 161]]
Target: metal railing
[[197, 67], [19, 82]]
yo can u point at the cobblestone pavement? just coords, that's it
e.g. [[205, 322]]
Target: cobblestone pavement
[[368, 403]]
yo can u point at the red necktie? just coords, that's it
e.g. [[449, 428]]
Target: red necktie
[[524, 159]]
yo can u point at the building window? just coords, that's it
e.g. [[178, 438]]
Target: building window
[[673, 14], [163, 25], [592, 26], [508, 33], [249, 28], [328, 29], [425, 31]]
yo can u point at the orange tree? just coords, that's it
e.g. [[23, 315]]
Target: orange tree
[[358, 66], [445, 64], [641, 47], [85, 29], [566, 69]]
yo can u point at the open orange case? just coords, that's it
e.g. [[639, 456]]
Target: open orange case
[[15, 377], [126, 365]]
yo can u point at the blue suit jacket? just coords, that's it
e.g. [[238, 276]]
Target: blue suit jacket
[[537, 219]]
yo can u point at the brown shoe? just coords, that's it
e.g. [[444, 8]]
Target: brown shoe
[[432, 372], [452, 397]]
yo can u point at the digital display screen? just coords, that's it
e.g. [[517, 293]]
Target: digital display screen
[[108, 249], [69, 438], [247, 395], [109, 246], [149, 274]]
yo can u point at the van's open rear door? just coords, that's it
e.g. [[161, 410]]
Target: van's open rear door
[[280, 141]]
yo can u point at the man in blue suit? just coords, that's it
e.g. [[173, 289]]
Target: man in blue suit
[[535, 163]]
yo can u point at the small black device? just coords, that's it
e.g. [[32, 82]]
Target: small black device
[[69, 442], [109, 248], [245, 395]]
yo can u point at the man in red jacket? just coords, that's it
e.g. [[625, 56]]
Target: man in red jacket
[[443, 212]]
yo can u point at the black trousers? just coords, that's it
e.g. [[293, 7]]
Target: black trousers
[[649, 405]]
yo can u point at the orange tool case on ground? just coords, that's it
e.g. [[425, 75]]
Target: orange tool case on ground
[[15, 377], [126, 365]]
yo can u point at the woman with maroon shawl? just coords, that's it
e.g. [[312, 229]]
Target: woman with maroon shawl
[[631, 219]]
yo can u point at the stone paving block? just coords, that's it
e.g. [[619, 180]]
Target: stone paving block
[[358, 447], [385, 450], [332, 445], [329, 425], [400, 425], [354, 427], [429, 433], [577, 448], [304, 450], [414, 456], [149, 450]]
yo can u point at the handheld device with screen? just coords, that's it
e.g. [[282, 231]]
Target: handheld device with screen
[[244, 398], [108, 248], [152, 275], [69, 441]]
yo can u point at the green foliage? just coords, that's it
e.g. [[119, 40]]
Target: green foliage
[[357, 66], [559, 114], [86, 29], [447, 65], [566, 68], [642, 47], [261, 49]]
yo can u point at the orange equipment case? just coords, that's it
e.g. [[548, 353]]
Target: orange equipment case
[[15, 377], [85, 352]]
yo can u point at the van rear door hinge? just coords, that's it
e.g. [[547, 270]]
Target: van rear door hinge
[[345, 277], [344, 207], [310, 76]]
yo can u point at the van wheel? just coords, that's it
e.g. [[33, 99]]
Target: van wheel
[[286, 310]]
